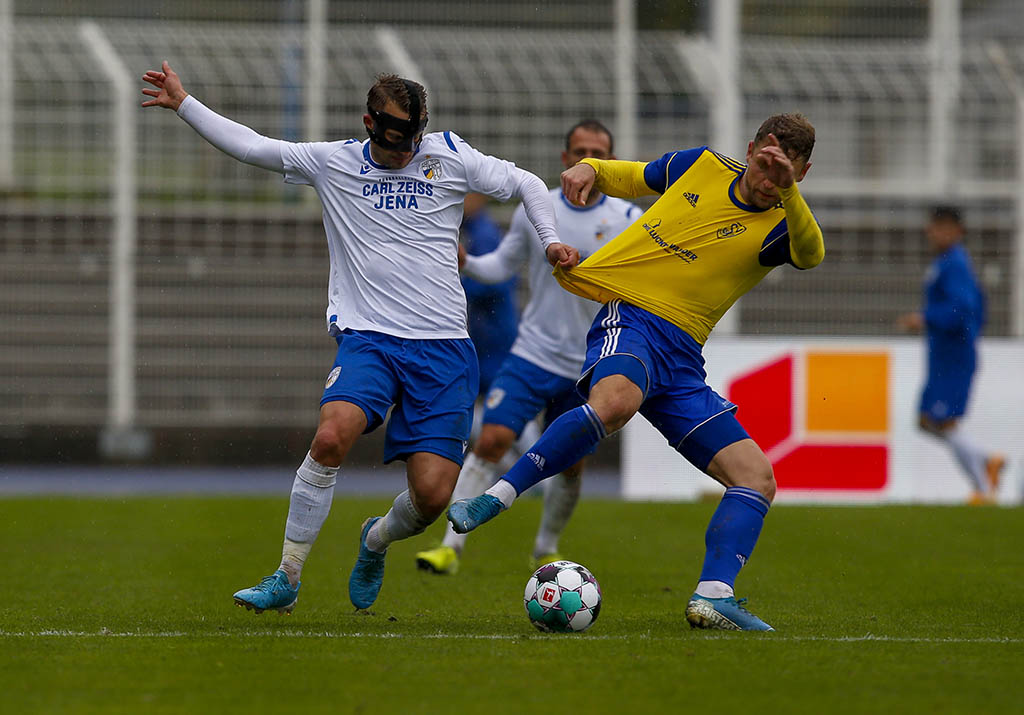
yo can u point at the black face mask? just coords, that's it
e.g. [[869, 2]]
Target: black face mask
[[408, 128]]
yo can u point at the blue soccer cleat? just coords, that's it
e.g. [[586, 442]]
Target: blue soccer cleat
[[368, 573], [726, 614], [467, 514], [272, 593]]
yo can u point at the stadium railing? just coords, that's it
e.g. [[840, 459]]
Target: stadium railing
[[231, 263]]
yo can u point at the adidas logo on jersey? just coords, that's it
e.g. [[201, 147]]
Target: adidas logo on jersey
[[536, 459], [692, 198]]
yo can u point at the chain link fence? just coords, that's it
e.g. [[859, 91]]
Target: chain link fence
[[231, 263]]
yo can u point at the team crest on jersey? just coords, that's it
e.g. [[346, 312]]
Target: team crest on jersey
[[431, 168], [494, 398], [692, 198], [333, 377], [733, 229]]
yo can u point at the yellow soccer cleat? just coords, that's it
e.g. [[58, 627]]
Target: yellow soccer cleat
[[980, 499], [993, 468], [537, 561], [442, 560]]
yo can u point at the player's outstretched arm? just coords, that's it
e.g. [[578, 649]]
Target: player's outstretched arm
[[562, 255], [911, 322], [578, 182], [537, 204], [236, 140], [623, 179], [806, 243], [495, 177], [503, 262], [169, 93]]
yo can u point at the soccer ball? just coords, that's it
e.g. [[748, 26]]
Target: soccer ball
[[562, 597]]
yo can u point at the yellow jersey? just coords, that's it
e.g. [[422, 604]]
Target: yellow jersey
[[699, 248]]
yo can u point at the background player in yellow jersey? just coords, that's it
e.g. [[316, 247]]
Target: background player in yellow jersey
[[719, 227]]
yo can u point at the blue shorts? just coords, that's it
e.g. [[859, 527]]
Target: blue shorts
[[431, 384], [667, 365], [521, 390], [945, 399]]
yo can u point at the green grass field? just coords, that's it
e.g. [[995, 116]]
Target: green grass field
[[125, 605]]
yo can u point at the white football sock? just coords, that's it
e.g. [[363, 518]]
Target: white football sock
[[476, 474], [560, 496], [504, 491], [310, 503], [970, 457], [402, 521], [714, 589]]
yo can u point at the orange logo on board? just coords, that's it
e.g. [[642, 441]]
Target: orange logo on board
[[821, 416]]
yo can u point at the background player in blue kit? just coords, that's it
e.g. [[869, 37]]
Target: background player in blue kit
[[392, 205], [540, 374], [719, 227], [953, 318]]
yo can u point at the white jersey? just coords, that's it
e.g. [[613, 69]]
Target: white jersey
[[393, 234], [553, 328]]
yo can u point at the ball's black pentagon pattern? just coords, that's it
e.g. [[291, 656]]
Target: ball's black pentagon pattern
[[581, 591], [547, 573]]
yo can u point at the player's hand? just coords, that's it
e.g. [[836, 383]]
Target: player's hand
[[577, 181], [462, 256], [911, 322], [562, 255], [168, 93], [776, 166]]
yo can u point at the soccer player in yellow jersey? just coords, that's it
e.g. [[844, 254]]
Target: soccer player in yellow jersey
[[718, 228]]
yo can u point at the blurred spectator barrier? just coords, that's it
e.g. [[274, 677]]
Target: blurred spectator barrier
[[910, 101]]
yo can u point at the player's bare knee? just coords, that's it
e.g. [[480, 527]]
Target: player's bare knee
[[933, 427], [491, 445], [759, 475], [431, 503], [330, 444], [615, 409], [760, 478], [768, 484], [743, 464], [615, 399], [326, 448]]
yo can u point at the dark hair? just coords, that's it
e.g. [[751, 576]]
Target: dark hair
[[392, 87], [946, 212], [794, 132], [591, 125]]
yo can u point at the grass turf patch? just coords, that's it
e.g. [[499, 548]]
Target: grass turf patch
[[125, 605]]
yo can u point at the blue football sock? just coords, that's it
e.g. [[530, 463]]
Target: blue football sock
[[565, 442], [732, 533]]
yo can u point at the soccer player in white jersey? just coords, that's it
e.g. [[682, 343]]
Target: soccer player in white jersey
[[392, 206], [541, 371]]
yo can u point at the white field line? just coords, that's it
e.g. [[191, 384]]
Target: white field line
[[776, 637]]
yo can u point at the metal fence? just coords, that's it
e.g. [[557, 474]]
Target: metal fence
[[230, 264]]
